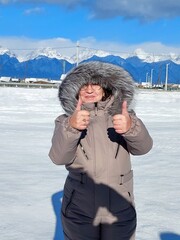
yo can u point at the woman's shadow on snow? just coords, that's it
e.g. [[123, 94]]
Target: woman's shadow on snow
[[56, 202], [169, 236]]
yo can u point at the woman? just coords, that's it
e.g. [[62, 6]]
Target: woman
[[94, 140]]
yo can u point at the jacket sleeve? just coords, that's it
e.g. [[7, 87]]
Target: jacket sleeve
[[138, 140], [64, 142]]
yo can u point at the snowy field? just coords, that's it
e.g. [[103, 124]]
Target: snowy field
[[31, 185]]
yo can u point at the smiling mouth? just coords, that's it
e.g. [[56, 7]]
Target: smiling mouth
[[90, 96]]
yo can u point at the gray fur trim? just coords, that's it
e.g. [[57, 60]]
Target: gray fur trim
[[107, 75]]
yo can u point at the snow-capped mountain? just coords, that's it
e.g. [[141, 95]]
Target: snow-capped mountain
[[46, 52], [50, 63], [85, 53], [6, 51], [150, 58]]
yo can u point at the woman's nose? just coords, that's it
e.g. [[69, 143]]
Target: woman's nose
[[89, 89]]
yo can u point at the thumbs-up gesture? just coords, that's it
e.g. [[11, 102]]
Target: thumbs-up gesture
[[80, 118], [122, 122]]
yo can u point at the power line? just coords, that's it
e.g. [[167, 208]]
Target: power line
[[94, 49], [31, 49]]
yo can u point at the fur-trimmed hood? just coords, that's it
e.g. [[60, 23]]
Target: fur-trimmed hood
[[107, 75]]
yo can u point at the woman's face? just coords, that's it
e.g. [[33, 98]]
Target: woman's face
[[91, 93]]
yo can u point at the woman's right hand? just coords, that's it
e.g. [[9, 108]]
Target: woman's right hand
[[80, 118]]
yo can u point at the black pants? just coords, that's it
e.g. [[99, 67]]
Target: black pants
[[92, 211], [121, 230]]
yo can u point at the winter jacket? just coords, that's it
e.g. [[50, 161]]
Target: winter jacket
[[76, 149], [99, 152]]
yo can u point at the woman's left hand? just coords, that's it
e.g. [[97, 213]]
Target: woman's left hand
[[122, 122]]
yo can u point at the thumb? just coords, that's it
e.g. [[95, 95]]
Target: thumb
[[124, 108], [79, 104]]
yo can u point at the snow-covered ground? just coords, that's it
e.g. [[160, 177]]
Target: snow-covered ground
[[31, 185]]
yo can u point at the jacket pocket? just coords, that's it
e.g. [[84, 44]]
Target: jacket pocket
[[121, 197], [129, 189], [68, 203], [119, 200]]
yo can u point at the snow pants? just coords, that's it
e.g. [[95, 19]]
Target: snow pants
[[97, 211]]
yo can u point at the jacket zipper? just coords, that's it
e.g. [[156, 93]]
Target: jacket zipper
[[117, 151], [94, 161], [84, 152]]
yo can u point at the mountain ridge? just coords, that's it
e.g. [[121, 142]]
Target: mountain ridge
[[48, 63]]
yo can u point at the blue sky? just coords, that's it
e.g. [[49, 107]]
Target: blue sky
[[111, 25]]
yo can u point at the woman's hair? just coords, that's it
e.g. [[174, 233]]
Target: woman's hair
[[107, 93]]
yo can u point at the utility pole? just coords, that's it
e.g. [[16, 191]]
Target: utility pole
[[64, 66], [159, 76], [77, 53], [166, 80], [152, 77]]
